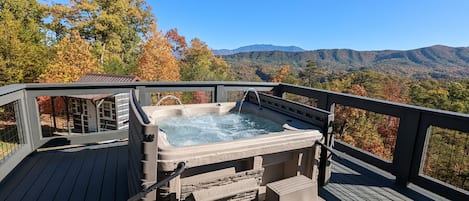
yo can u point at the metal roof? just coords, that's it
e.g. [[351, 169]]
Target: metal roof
[[91, 77], [108, 78]]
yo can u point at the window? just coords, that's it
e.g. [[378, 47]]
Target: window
[[107, 109]]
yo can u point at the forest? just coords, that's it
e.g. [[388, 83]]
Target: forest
[[448, 150], [62, 42], [59, 43]]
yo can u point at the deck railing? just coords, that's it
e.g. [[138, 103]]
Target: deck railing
[[412, 136], [407, 161], [28, 135]]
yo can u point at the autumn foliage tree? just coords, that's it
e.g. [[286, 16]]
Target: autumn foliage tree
[[178, 42], [73, 60], [285, 75], [23, 54], [359, 127], [113, 27], [156, 62], [199, 63]]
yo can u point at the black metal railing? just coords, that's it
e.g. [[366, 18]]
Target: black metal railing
[[180, 168], [407, 160]]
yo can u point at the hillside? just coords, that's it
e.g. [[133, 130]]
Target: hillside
[[258, 48], [438, 61]]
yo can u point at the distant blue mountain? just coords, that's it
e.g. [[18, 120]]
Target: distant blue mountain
[[258, 48]]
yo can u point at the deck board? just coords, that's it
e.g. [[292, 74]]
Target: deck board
[[122, 175], [84, 173], [56, 180], [99, 172], [27, 182], [110, 174], [71, 176], [354, 180], [43, 179], [81, 184], [15, 179], [95, 182]]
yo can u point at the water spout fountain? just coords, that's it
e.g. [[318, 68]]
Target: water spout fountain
[[244, 98], [169, 97]]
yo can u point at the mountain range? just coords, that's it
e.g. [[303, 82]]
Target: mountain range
[[429, 62], [257, 48]]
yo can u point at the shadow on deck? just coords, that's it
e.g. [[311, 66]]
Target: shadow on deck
[[99, 172]]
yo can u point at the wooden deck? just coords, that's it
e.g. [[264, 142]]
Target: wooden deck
[[99, 172], [96, 172], [353, 179]]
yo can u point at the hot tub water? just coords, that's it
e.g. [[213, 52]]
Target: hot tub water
[[203, 129]]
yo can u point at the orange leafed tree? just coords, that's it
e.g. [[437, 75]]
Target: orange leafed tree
[[282, 74], [157, 62], [73, 59], [178, 42], [358, 127]]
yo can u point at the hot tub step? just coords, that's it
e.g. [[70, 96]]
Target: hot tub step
[[299, 188]]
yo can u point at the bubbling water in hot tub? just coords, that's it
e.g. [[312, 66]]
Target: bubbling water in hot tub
[[209, 128]]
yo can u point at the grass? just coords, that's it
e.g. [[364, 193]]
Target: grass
[[6, 148]]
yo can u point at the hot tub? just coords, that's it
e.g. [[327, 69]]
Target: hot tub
[[296, 134], [240, 168]]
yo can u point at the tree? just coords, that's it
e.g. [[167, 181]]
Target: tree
[[311, 74], [23, 54], [178, 42], [284, 75], [157, 63], [199, 63], [360, 127], [73, 59], [113, 27]]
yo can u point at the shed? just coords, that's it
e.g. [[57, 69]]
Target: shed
[[101, 112]]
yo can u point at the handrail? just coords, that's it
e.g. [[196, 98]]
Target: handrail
[[336, 153], [180, 168], [139, 108]]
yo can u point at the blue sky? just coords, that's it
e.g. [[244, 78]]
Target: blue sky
[[319, 24]]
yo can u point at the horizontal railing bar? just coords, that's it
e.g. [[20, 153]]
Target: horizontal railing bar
[[95, 85], [71, 92], [5, 90], [244, 88], [10, 97], [178, 89], [83, 138], [364, 156], [448, 191], [459, 123], [342, 99]]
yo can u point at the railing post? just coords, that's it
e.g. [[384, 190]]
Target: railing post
[[32, 111], [405, 146], [325, 164], [220, 94], [278, 91], [143, 97]]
